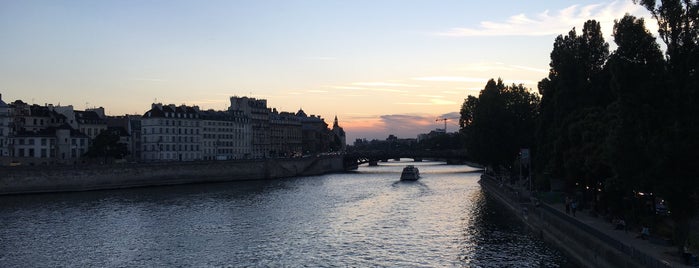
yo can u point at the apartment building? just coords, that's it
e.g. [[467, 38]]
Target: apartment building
[[171, 133]]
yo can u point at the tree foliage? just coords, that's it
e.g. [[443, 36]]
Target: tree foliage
[[107, 145], [627, 121], [496, 123]]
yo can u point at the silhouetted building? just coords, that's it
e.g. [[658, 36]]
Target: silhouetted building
[[339, 138], [171, 133], [5, 128], [226, 135], [286, 134], [316, 135], [258, 113]]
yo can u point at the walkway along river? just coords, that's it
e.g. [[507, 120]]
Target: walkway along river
[[365, 218]]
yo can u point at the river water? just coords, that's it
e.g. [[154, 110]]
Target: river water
[[365, 218]]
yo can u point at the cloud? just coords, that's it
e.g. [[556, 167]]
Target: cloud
[[432, 102], [451, 79], [383, 84], [402, 125], [560, 22], [368, 88], [499, 66]]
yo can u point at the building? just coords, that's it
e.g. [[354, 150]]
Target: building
[[52, 145], [226, 135], [171, 133], [286, 135], [130, 133], [34, 118], [258, 113], [5, 128], [339, 141], [90, 123], [315, 133]]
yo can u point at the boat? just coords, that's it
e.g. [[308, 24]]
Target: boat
[[410, 173]]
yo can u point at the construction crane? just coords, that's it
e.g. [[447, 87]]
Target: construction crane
[[445, 123]]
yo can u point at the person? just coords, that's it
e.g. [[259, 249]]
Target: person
[[645, 232], [573, 206], [622, 225]]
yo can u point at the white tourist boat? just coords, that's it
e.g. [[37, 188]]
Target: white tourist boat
[[410, 173]]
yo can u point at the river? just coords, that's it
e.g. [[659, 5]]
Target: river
[[364, 218]]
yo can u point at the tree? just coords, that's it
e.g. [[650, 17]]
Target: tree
[[467, 110], [637, 81], [107, 145], [577, 82], [677, 161], [499, 122]]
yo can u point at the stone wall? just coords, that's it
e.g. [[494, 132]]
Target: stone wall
[[36, 179], [583, 247]]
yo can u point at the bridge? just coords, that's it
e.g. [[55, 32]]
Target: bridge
[[355, 158]]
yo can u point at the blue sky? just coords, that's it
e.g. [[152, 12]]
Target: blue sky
[[383, 67]]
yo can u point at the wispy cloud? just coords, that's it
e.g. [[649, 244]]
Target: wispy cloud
[[365, 88], [451, 79], [383, 84], [431, 102], [499, 66], [551, 23]]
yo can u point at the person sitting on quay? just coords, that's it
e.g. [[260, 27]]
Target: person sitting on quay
[[645, 233], [619, 224]]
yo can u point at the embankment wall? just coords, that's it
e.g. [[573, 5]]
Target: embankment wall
[[584, 245], [37, 179]]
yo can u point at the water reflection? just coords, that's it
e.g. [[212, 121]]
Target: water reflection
[[365, 218]]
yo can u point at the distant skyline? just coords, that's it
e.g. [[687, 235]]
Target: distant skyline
[[381, 67]]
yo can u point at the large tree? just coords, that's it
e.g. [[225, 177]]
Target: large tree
[[678, 157], [576, 83], [637, 80], [499, 122]]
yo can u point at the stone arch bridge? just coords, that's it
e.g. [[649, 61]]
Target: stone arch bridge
[[355, 158]]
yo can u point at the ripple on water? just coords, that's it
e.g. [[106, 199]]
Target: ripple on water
[[366, 218]]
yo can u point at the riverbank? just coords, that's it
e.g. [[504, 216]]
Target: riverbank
[[587, 242], [41, 179]]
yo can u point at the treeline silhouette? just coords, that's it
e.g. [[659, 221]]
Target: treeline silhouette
[[621, 129]]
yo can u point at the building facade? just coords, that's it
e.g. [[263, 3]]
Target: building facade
[[171, 133], [226, 135], [258, 113], [53, 145], [286, 135], [5, 128]]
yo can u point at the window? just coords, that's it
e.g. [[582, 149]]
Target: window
[[31, 152], [31, 141], [73, 142], [43, 141], [43, 153]]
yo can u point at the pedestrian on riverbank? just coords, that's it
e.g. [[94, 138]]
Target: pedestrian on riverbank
[[573, 206], [567, 205]]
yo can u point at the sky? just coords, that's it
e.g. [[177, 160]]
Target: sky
[[381, 66]]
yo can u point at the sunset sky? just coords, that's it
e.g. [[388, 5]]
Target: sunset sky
[[383, 67]]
